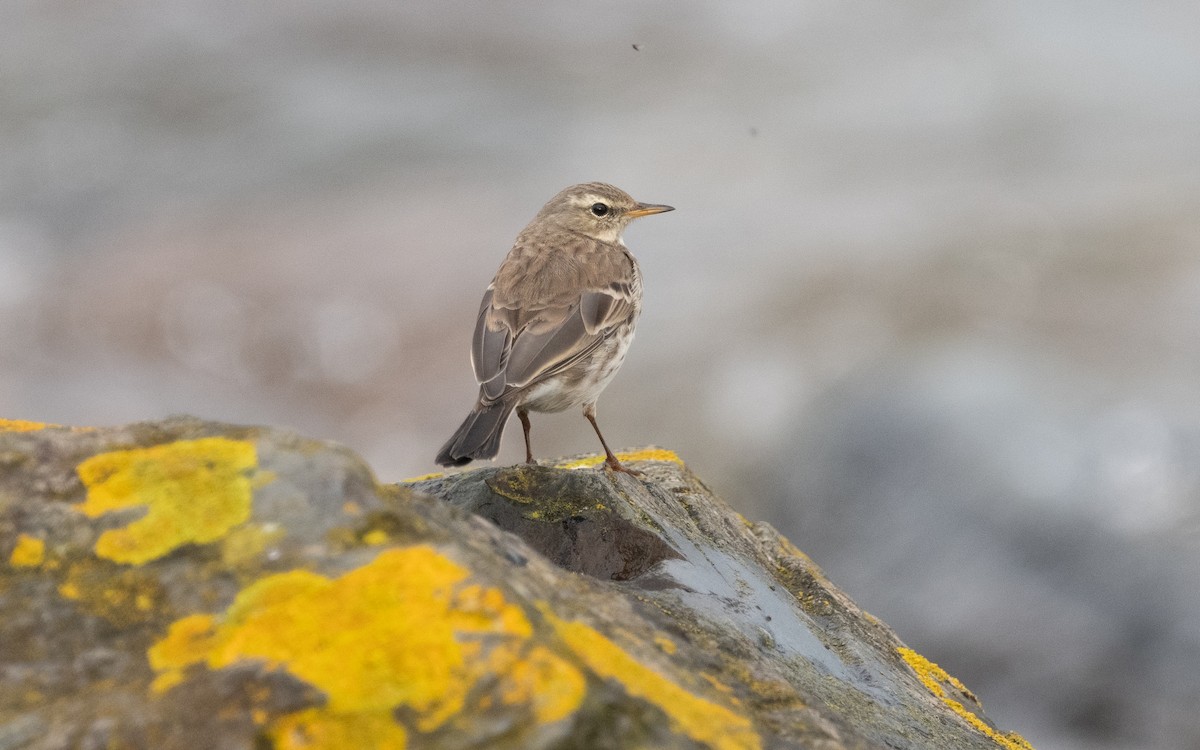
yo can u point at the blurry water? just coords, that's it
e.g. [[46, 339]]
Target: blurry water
[[929, 300]]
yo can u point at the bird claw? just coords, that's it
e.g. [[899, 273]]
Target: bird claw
[[613, 464]]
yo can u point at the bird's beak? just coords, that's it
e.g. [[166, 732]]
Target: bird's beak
[[645, 209]]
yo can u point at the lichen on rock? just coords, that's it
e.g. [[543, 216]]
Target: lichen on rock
[[193, 491], [183, 583]]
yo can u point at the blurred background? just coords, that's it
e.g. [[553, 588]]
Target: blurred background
[[929, 302]]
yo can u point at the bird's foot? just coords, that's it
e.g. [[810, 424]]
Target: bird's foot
[[612, 464]]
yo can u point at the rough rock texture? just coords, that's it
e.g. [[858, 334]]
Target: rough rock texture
[[186, 584]]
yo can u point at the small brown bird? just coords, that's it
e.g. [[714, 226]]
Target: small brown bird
[[557, 319]]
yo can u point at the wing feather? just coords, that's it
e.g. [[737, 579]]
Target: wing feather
[[539, 355], [490, 347]]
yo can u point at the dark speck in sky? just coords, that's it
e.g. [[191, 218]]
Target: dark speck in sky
[[637, 48]]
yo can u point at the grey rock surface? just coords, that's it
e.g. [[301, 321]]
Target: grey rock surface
[[193, 584]]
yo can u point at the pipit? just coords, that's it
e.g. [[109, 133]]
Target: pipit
[[557, 319]]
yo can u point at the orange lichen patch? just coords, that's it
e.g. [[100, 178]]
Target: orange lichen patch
[[702, 720], [29, 552], [650, 454], [934, 678], [20, 425], [407, 630], [194, 491]]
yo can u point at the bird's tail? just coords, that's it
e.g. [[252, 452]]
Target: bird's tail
[[479, 435]]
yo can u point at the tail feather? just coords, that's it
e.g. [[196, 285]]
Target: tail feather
[[478, 436]]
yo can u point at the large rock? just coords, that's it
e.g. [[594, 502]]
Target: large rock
[[186, 584]]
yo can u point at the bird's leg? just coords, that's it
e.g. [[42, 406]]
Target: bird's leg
[[523, 415], [610, 460]]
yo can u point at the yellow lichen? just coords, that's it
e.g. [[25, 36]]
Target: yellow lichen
[[787, 549], [666, 644], [375, 537], [29, 552], [124, 596], [188, 641], [702, 720], [552, 687], [316, 729], [407, 630], [194, 491], [650, 454], [20, 425], [933, 677], [244, 545], [720, 686], [423, 477]]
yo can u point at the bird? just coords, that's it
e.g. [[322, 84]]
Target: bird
[[556, 321]]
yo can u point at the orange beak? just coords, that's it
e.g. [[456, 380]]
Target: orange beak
[[645, 209]]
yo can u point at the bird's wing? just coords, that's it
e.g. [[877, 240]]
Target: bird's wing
[[490, 346], [535, 324]]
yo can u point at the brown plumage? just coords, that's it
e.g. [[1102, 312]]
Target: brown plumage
[[557, 319]]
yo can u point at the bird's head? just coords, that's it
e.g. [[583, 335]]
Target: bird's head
[[597, 210]]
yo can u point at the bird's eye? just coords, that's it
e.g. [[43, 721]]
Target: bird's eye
[[599, 209]]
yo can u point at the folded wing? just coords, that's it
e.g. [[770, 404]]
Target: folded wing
[[517, 348]]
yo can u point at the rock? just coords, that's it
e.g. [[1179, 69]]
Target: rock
[[185, 584]]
